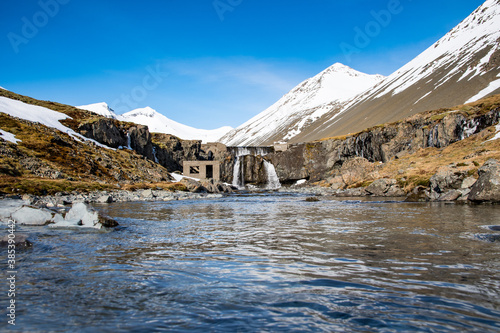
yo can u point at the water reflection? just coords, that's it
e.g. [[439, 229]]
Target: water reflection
[[253, 263]]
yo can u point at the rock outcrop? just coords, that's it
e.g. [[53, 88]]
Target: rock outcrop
[[322, 160], [109, 132], [170, 151], [487, 187], [385, 188], [206, 186]]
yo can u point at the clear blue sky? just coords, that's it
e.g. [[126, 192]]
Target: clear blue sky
[[205, 63]]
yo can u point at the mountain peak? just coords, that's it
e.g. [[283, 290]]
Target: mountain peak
[[101, 108], [147, 111]]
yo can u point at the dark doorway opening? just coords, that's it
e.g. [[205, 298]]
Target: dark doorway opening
[[210, 171]]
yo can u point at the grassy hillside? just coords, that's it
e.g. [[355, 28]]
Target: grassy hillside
[[47, 160]]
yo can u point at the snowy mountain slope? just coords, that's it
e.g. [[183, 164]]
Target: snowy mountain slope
[[39, 114], [304, 104], [158, 123], [461, 67], [102, 109]]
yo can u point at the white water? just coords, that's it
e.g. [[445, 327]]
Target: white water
[[238, 177], [129, 141], [273, 182]]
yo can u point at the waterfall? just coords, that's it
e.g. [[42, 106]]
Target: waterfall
[[238, 176], [154, 154], [273, 182], [129, 141]]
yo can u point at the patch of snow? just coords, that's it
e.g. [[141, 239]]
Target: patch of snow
[[9, 137], [44, 116], [497, 135], [158, 123], [494, 85], [300, 182], [178, 177], [102, 109], [421, 98]]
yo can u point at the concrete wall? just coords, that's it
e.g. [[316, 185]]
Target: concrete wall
[[202, 169]]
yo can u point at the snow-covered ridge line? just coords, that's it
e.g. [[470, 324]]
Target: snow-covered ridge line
[[305, 103], [44, 116], [158, 123]]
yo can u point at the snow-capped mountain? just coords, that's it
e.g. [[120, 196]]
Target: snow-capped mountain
[[304, 104], [461, 67], [102, 109], [158, 123]]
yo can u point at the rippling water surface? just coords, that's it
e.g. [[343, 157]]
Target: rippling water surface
[[267, 263]]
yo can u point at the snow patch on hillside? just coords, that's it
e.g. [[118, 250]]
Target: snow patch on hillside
[[7, 136], [39, 114], [494, 85]]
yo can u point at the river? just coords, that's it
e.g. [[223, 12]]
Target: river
[[267, 262]]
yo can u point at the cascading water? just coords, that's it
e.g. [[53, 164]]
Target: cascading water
[[238, 176], [129, 141], [154, 154], [273, 182]]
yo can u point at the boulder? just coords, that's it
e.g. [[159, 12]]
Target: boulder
[[105, 199], [487, 187], [9, 206], [445, 179], [20, 240], [385, 188], [468, 182], [419, 194], [148, 194], [81, 215], [356, 170], [32, 216], [214, 186], [451, 195], [192, 185], [352, 192]]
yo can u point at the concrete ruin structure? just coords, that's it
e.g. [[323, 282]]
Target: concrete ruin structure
[[202, 169]]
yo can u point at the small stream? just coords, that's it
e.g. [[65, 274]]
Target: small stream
[[266, 262]]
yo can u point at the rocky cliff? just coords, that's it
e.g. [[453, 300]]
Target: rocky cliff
[[336, 157]]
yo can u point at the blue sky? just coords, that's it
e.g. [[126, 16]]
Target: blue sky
[[206, 63]]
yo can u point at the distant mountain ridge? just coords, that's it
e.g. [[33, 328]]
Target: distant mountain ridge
[[158, 123], [461, 67], [304, 104]]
